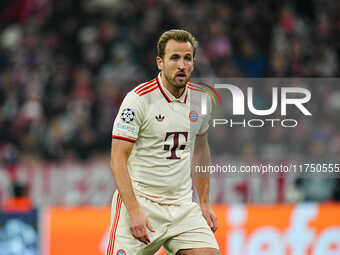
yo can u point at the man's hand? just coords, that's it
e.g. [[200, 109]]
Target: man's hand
[[139, 224], [210, 216]]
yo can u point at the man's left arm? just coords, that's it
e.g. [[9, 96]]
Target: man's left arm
[[201, 158]]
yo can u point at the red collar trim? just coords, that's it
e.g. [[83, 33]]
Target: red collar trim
[[166, 96], [163, 92]]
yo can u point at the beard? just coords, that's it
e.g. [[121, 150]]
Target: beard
[[174, 83]]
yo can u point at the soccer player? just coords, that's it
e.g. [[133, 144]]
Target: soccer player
[[156, 135]]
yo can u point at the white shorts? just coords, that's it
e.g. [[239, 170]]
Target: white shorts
[[176, 227]]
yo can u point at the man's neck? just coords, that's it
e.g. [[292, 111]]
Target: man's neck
[[176, 92]]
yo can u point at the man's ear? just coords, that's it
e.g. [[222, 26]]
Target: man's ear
[[159, 62]]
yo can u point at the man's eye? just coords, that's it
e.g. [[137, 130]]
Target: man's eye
[[188, 58], [174, 57]]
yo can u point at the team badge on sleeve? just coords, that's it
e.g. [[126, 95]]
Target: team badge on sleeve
[[127, 115], [121, 252]]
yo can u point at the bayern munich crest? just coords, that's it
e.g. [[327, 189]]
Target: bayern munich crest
[[127, 115], [121, 252], [193, 116]]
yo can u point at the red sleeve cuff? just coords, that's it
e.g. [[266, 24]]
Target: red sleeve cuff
[[123, 138]]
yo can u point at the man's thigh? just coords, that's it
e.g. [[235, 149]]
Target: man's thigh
[[190, 232], [121, 241], [199, 251]]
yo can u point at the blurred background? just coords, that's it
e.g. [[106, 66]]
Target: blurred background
[[66, 65]]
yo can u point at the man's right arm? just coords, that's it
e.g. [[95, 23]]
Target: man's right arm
[[120, 153]]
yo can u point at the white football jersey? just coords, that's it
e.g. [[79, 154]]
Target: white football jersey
[[163, 129]]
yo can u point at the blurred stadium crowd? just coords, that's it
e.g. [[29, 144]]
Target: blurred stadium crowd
[[66, 65]]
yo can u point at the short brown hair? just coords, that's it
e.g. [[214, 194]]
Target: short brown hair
[[177, 35]]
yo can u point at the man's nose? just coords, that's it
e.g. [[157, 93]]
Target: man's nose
[[181, 64]]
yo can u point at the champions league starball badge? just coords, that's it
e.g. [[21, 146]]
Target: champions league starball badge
[[127, 115]]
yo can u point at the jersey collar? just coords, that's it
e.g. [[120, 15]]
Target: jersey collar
[[168, 96]]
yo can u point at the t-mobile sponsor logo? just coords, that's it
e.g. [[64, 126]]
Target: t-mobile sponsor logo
[[176, 143]]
